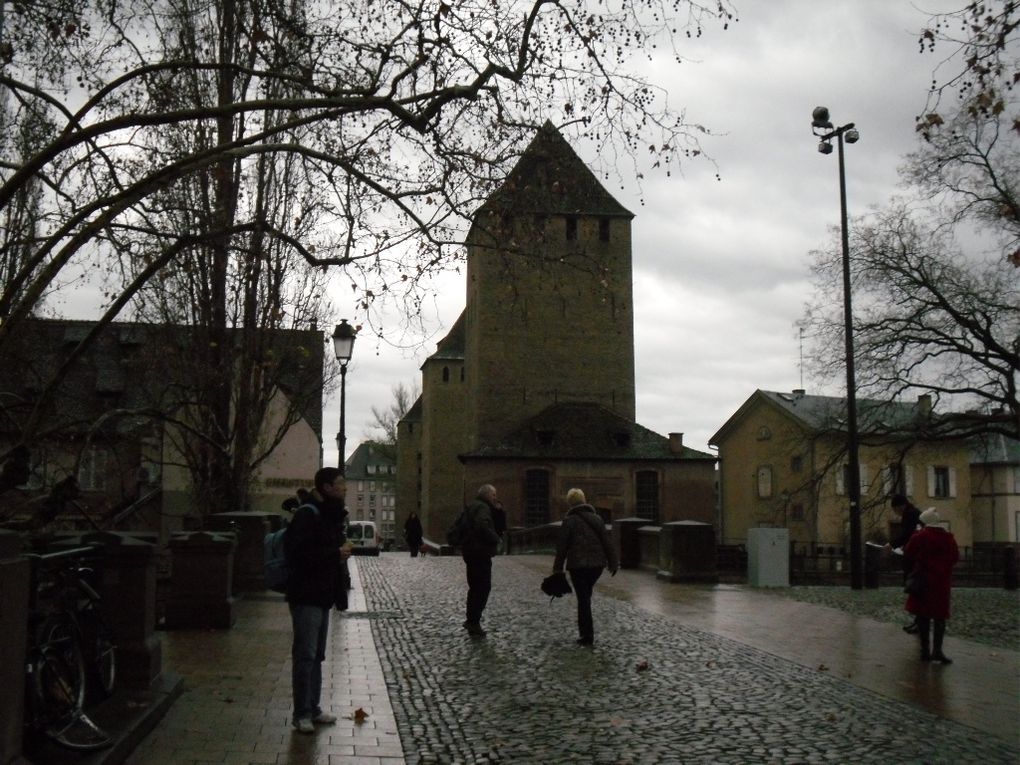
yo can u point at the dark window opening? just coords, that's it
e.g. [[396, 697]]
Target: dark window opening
[[536, 498], [446, 374], [571, 229], [646, 495], [621, 437], [796, 464], [544, 437], [603, 229]]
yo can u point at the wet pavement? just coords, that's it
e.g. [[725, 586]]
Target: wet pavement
[[679, 674]]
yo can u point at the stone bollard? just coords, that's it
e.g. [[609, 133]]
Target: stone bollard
[[128, 589], [201, 581], [251, 529], [627, 541], [14, 597], [687, 552]]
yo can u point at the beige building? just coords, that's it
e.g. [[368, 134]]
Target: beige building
[[371, 489], [533, 388], [782, 463]]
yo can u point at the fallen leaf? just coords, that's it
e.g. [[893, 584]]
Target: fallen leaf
[[822, 668], [642, 666], [359, 716]]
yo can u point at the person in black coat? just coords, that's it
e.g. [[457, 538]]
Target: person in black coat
[[910, 518], [413, 533], [316, 556]]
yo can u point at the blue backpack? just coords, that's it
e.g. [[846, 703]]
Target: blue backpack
[[274, 556]]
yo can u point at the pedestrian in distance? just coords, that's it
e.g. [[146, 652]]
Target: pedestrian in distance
[[910, 519], [413, 533], [316, 557], [932, 553], [585, 549], [480, 544]]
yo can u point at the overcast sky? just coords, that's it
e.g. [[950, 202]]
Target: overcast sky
[[721, 267]]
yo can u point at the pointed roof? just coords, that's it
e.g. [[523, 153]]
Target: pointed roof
[[451, 347], [550, 179], [828, 413], [582, 431]]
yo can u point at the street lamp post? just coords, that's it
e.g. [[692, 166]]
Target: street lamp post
[[822, 127], [343, 346]]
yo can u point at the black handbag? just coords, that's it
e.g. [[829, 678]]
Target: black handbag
[[555, 585], [915, 584]]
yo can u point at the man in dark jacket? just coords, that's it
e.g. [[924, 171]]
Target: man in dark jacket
[[480, 544], [316, 555], [910, 518]]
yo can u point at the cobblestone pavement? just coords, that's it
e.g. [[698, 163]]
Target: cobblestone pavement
[[982, 614], [652, 691]]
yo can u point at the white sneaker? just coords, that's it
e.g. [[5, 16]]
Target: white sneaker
[[324, 718], [304, 725]]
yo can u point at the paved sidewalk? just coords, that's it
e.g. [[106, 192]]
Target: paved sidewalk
[[236, 704], [679, 674]]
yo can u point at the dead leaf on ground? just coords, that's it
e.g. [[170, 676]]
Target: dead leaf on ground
[[642, 666], [822, 668], [359, 716]]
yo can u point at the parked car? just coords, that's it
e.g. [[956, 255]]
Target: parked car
[[364, 536]]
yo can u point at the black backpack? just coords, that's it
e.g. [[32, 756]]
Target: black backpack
[[458, 533]]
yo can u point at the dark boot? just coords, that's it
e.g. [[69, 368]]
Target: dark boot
[[940, 632], [924, 634]]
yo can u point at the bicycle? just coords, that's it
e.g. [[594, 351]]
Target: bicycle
[[71, 657]]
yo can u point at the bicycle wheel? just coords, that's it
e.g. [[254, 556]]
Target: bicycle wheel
[[57, 670]]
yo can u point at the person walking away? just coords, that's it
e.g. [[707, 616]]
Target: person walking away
[[585, 549], [932, 552], [316, 557], [910, 519], [480, 545], [413, 533]]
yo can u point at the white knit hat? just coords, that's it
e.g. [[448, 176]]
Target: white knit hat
[[930, 517]]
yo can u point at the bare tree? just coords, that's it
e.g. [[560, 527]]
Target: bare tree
[[385, 421]]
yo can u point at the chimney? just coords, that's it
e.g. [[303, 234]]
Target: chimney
[[799, 392], [924, 404], [676, 443]]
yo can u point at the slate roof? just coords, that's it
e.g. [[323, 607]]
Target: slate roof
[[582, 431], [369, 453], [828, 413], [451, 347], [550, 179], [995, 449]]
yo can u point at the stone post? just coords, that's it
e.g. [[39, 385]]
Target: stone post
[[128, 589], [14, 598], [687, 552], [201, 581], [251, 529], [627, 542]]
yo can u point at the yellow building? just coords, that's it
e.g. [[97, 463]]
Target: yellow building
[[783, 464]]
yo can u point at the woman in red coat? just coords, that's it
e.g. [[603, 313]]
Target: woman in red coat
[[932, 551]]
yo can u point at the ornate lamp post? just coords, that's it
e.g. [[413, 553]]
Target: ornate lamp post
[[343, 346], [822, 127]]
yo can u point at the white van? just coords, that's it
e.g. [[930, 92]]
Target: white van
[[364, 537]]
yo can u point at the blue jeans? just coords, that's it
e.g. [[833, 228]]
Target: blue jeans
[[311, 627]]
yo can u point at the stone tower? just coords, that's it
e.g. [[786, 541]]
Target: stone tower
[[549, 315]]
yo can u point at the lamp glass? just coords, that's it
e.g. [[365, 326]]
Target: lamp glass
[[343, 341]]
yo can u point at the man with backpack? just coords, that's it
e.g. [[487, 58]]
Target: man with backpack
[[317, 581], [480, 544]]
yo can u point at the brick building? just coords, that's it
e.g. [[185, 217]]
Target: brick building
[[533, 388]]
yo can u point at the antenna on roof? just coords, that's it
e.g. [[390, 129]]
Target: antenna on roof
[[801, 357]]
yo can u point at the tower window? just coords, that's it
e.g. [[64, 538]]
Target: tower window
[[571, 229], [603, 229], [446, 374]]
